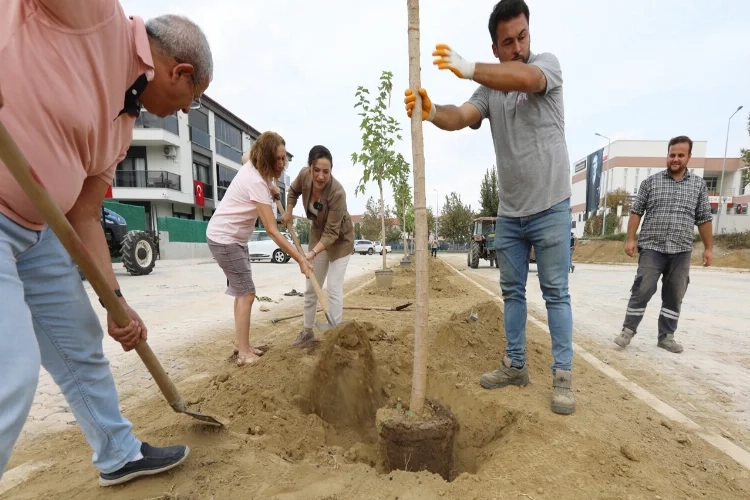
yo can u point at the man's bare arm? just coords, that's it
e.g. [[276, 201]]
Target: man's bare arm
[[512, 76], [633, 222], [450, 117], [85, 217]]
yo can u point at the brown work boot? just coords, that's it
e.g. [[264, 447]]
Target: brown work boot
[[505, 375], [305, 337], [670, 344], [563, 399]]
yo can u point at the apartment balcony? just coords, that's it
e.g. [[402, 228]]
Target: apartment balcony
[[157, 179], [150, 130], [200, 137]]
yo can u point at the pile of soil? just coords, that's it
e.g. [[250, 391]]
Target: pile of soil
[[344, 389], [611, 252], [298, 422]]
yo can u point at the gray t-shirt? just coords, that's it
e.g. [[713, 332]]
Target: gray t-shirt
[[528, 129]]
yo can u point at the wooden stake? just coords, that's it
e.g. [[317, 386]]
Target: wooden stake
[[419, 378]]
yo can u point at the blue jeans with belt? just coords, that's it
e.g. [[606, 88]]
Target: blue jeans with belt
[[549, 233], [46, 318]]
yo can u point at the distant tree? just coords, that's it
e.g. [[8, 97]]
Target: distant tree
[[489, 198], [302, 228], [614, 198], [358, 231], [379, 160], [745, 153], [431, 222], [370, 225], [455, 220]]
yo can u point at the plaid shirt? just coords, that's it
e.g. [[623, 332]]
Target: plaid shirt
[[672, 209]]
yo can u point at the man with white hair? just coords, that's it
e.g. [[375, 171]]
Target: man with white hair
[[75, 75]]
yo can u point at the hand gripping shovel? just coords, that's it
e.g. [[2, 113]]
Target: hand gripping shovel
[[32, 186], [310, 275]]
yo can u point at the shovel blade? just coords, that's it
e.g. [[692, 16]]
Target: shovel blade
[[180, 407]]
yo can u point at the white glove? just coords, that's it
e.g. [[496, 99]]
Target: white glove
[[450, 59]]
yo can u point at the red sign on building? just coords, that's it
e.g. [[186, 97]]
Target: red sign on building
[[200, 194]]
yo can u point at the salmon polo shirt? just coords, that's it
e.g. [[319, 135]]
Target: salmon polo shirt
[[71, 72]]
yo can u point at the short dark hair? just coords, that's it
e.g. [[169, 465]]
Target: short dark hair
[[505, 10], [318, 152], [680, 139]]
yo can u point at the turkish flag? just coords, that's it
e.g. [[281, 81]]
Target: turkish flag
[[200, 193], [108, 194]]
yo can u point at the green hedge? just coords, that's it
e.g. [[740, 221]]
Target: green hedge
[[183, 230]]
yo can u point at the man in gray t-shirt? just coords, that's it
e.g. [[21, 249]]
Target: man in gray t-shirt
[[522, 98]]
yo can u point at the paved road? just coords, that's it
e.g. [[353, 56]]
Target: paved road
[[709, 381], [182, 303]]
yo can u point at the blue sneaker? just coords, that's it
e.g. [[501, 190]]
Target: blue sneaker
[[154, 461]]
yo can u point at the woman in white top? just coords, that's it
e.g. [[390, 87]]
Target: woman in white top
[[249, 196]]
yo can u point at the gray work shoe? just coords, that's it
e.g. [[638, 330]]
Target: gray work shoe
[[304, 338], [670, 344], [505, 375], [624, 338], [563, 399]]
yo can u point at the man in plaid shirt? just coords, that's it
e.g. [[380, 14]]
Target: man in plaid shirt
[[674, 201]]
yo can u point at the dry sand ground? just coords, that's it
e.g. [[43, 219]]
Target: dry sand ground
[[611, 252], [509, 444]]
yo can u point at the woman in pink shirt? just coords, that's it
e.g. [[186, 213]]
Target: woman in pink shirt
[[249, 196]]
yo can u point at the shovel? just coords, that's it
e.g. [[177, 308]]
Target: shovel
[[311, 276], [26, 177], [357, 308]]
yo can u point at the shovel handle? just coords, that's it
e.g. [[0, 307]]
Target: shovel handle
[[32, 186], [310, 274]]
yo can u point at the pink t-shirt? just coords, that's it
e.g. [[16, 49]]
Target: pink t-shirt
[[65, 67], [234, 220]]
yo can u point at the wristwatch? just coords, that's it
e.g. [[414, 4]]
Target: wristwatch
[[117, 292]]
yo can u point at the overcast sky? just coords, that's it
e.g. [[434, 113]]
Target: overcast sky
[[635, 69]]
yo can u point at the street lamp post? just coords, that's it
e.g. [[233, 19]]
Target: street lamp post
[[609, 157], [721, 184]]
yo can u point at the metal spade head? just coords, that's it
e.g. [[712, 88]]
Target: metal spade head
[[180, 407]]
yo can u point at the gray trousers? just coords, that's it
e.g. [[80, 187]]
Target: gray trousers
[[674, 269]]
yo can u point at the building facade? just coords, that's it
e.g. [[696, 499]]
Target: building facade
[[630, 162], [181, 165]]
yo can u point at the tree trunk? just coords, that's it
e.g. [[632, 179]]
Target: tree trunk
[[382, 221], [419, 378]]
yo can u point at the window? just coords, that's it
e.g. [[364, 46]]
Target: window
[[264, 236], [255, 236], [625, 178], [712, 184], [228, 140], [224, 177], [131, 171], [198, 119], [635, 188]]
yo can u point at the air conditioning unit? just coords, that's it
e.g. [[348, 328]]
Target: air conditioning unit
[[170, 151]]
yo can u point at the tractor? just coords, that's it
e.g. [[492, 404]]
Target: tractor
[[482, 242], [136, 248]]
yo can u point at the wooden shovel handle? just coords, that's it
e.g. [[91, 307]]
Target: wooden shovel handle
[[310, 274], [24, 174]]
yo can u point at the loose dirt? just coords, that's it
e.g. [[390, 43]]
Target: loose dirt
[[611, 252], [299, 422]]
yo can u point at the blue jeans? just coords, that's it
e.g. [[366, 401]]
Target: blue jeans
[[549, 233], [46, 318]]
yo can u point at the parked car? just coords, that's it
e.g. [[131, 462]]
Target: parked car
[[262, 247], [379, 248], [364, 247]]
